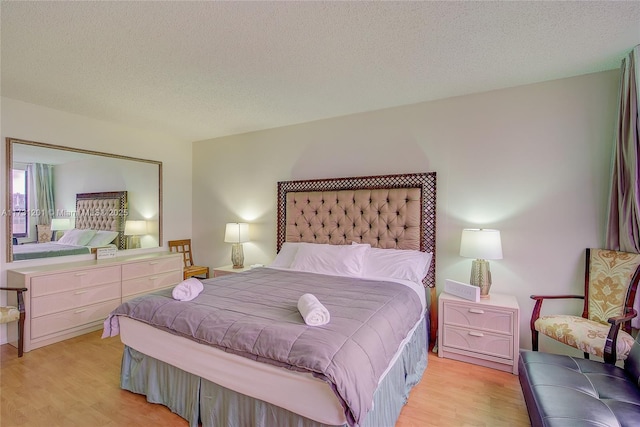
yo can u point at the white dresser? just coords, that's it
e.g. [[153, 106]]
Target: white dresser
[[484, 333], [71, 299]]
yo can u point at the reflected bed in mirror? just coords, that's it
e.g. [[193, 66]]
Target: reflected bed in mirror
[[65, 190]]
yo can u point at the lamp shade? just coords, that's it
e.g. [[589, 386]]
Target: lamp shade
[[481, 243], [236, 232], [59, 224], [135, 228]]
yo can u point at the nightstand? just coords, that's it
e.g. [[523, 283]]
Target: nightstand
[[485, 333], [228, 269]]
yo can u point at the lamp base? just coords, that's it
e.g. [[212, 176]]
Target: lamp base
[[481, 277], [237, 255], [133, 242]]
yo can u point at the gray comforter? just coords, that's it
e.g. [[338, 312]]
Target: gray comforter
[[254, 314], [46, 250]]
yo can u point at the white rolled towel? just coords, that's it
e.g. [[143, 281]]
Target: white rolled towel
[[312, 310], [187, 289]]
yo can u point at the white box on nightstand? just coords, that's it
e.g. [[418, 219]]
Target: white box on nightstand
[[485, 333], [228, 269]]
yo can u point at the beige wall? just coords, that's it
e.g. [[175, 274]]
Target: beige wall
[[532, 161], [36, 123]]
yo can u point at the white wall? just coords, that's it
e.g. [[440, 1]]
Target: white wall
[[532, 161], [36, 123]]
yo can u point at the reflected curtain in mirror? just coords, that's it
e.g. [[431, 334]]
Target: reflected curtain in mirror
[[42, 177]]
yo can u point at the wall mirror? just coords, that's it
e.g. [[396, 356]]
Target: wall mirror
[[44, 184]]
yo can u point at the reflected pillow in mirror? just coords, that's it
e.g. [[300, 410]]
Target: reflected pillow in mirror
[[102, 238], [77, 237]]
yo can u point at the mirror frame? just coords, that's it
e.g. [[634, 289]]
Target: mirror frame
[[9, 183]]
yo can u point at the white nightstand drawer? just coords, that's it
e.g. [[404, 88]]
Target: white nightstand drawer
[[479, 317], [476, 341], [484, 332], [61, 282]]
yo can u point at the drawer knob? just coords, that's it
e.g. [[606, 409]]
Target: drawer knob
[[476, 311], [476, 334]]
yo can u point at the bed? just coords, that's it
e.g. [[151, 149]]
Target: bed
[[335, 238], [99, 222]]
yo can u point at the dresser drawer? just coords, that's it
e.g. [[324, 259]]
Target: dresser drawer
[[73, 280], [58, 322], [146, 268], [476, 341], [479, 317], [151, 283], [62, 301]]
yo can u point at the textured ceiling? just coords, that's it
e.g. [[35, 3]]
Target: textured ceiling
[[199, 70]]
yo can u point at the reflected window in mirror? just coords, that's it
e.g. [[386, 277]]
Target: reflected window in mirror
[[19, 196]]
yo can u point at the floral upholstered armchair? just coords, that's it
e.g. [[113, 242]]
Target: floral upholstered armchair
[[15, 314], [44, 233], [604, 329]]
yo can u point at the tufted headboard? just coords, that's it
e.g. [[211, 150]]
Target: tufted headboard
[[103, 211], [388, 211]]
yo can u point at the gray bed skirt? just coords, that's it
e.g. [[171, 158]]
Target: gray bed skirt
[[199, 400]]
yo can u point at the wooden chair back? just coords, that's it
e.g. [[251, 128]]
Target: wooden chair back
[[184, 247], [44, 233]]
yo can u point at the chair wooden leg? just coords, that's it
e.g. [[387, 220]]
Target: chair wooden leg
[[586, 355], [21, 334], [534, 340]]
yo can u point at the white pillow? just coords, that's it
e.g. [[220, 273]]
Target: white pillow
[[397, 264], [77, 237], [287, 253], [102, 238], [337, 260]]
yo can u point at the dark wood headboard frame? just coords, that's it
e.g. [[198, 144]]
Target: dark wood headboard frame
[[120, 212], [425, 181]]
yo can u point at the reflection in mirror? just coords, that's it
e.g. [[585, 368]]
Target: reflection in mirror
[[50, 188]]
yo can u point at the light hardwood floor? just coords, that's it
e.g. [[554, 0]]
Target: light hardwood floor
[[76, 383]]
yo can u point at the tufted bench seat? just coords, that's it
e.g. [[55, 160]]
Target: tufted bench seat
[[566, 391]]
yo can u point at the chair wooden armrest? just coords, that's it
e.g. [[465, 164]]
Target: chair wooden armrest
[[20, 296], [610, 352], [21, 309], [539, 297]]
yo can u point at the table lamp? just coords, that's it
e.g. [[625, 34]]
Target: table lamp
[[59, 226], [481, 244], [237, 233], [134, 229]]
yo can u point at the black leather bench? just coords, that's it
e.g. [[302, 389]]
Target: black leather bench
[[562, 391]]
